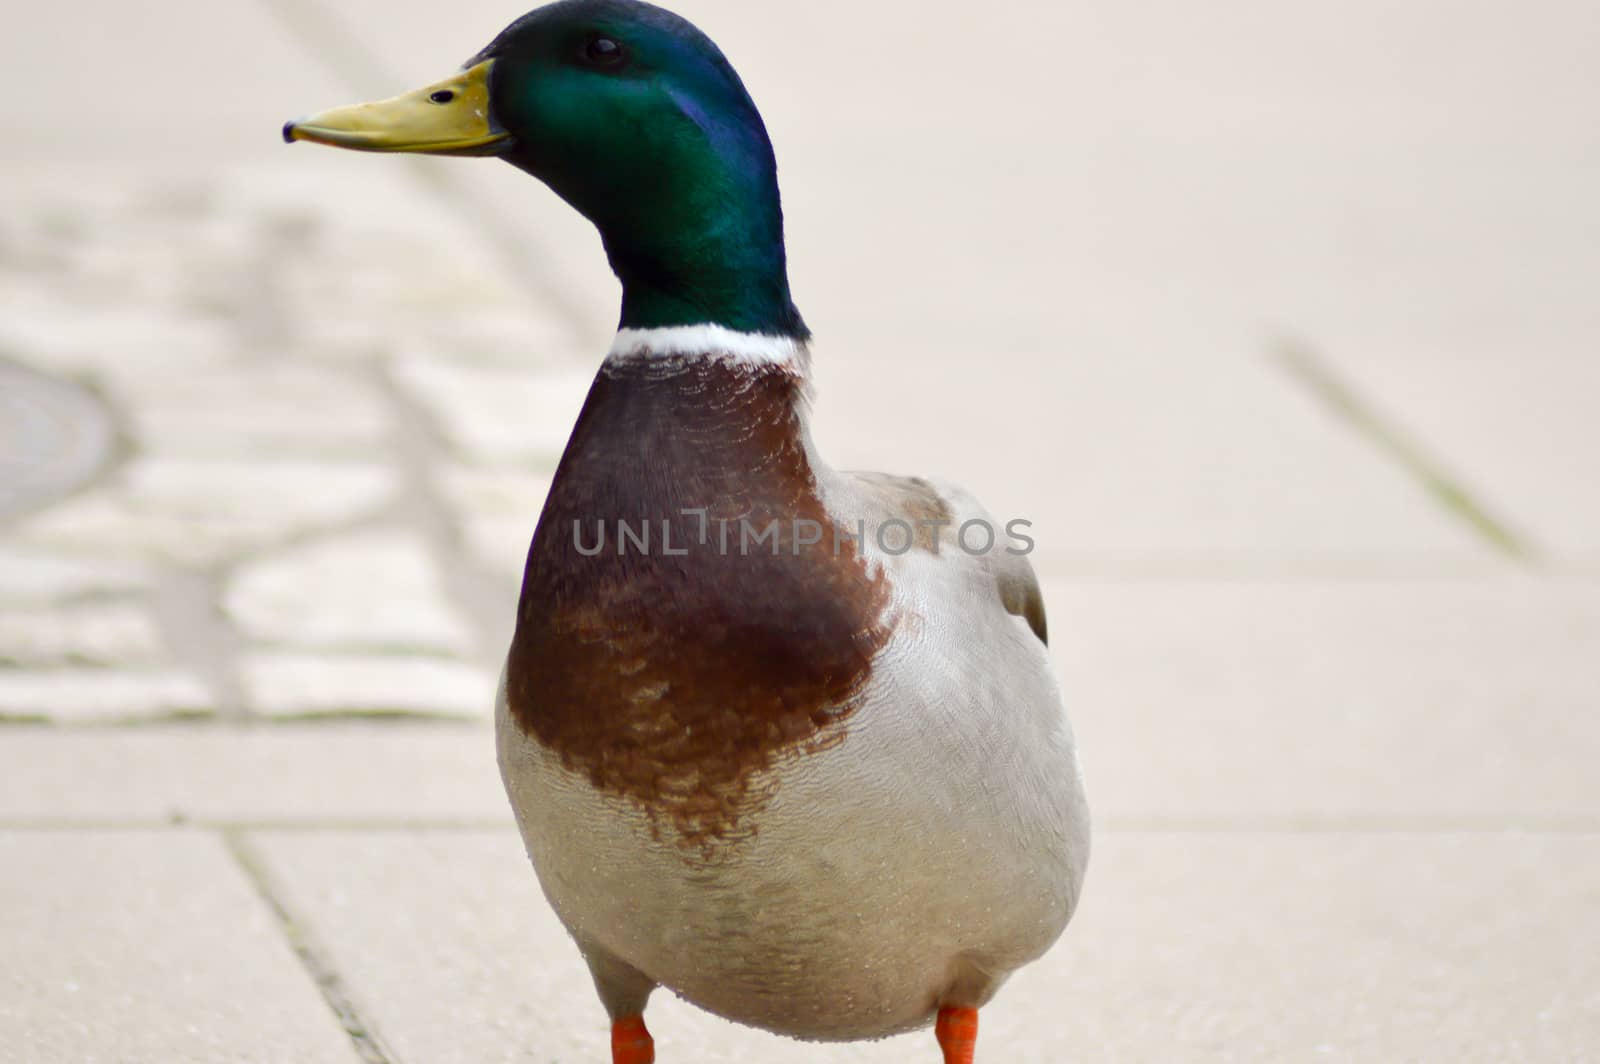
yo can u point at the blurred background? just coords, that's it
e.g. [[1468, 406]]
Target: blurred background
[[1279, 321]]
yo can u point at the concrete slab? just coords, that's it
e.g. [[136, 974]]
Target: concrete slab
[[311, 774], [1512, 418], [1339, 947], [138, 947], [1085, 342], [1147, 168], [1133, 460], [1335, 704]]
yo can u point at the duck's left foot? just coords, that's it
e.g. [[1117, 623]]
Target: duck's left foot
[[631, 1042], [957, 1032]]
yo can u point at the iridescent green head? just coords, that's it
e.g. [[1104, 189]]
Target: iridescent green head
[[634, 117]]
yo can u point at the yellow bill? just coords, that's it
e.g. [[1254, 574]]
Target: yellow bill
[[451, 117]]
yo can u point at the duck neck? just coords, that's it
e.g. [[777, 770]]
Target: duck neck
[[701, 242], [729, 269]]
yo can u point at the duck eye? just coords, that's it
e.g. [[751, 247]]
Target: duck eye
[[603, 51], [442, 96]]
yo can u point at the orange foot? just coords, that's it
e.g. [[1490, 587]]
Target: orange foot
[[957, 1032], [631, 1042]]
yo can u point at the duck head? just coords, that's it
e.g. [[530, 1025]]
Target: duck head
[[635, 118]]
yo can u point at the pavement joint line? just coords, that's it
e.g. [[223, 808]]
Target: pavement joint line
[[322, 972], [1302, 362], [264, 320], [326, 37]]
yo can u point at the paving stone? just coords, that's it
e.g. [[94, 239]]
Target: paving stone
[[204, 511], [148, 283], [466, 890], [287, 685], [496, 415], [166, 278], [150, 280], [85, 695], [496, 512], [1334, 703], [117, 633], [53, 438], [39, 576], [310, 774], [61, 333], [138, 947], [1341, 947], [351, 282], [376, 590], [412, 54], [350, 304], [1338, 947], [246, 410]]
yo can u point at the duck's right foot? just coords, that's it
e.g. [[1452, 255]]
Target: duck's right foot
[[957, 1032], [631, 1042]]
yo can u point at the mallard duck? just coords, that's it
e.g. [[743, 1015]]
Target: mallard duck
[[782, 739]]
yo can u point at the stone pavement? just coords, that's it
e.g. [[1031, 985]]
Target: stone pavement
[[1279, 323]]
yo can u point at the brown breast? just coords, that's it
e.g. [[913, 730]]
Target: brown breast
[[674, 679]]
